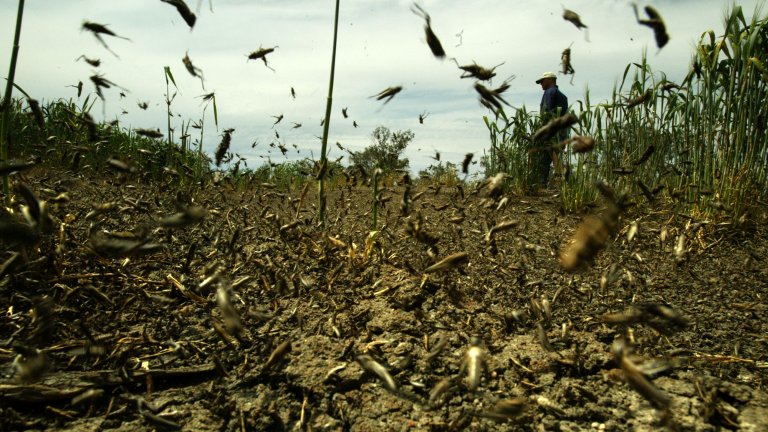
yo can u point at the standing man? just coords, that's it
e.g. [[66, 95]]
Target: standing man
[[553, 104]]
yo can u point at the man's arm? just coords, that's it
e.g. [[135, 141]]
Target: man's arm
[[562, 103]]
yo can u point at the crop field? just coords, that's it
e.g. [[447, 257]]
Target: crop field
[[146, 285]]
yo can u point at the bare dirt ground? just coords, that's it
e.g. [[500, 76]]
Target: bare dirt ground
[[253, 319]]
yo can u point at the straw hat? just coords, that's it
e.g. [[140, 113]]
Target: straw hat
[[546, 75]]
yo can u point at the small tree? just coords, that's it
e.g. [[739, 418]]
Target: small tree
[[385, 151], [447, 173]]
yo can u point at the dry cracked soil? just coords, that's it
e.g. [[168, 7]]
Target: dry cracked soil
[[254, 318]]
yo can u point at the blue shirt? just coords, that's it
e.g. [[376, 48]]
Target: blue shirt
[[554, 103], [553, 99]]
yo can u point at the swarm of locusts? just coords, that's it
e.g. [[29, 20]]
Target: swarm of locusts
[[287, 315]]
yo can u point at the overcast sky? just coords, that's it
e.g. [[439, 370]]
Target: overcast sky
[[381, 43]]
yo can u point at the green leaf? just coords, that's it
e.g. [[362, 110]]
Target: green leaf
[[21, 90], [85, 103], [168, 74], [215, 114]]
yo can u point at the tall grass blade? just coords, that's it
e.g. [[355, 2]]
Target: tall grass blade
[[322, 200], [5, 104]]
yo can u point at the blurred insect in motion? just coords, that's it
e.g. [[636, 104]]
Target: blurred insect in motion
[[388, 93], [593, 232], [668, 86], [232, 321], [658, 316], [30, 364], [43, 318], [565, 63], [158, 421], [86, 119], [92, 62], [623, 171], [440, 391], [375, 368], [261, 53], [223, 148], [635, 378], [86, 396], [504, 86], [188, 16], [37, 113], [344, 112], [119, 165], [449, 262], [192, 69], [465, 163], [500, 227], [646, 191], [36, 212], [36, 220], [422, 117], [432, 40], [460, 36], [278, 119], [474, 364], [640, 99], [354, 123], [278, 354], [143, 105], [149, 133], [541, 335], [11, 167], [554, 126], [208, 97], [100, 29], [417, 230], [645, 156], [494, 185], [478, 72], [580, 144], [440, 342], [590, 238], [293, 93], [99, 81], [79, 87], [185, 217], [114, 247], [504, 409], [655, 22], [575, 19], [491, 97]]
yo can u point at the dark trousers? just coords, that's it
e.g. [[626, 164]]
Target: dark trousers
[[545, 160]]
